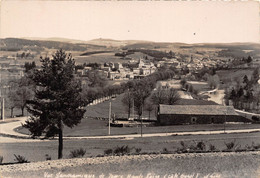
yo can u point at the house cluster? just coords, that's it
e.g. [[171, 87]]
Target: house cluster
[[193, 64], [116, 71]]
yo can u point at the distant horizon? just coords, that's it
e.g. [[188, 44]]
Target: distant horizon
[[190, 22], [119, 40]]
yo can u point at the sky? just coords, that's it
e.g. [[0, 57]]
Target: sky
[[161, 21]]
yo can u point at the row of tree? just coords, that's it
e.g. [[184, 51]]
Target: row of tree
[[142, 95]]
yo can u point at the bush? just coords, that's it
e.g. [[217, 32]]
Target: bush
[[231, 145], [78, 153], [108, 151], [20, 159], [252, 147], [255, 118], [138, 150], [165, 151], [1, 159], [256, 147], [182, 144], [47, 157], [212, 148], [183, 148], [201, 146], [198, 147], [121, 150]]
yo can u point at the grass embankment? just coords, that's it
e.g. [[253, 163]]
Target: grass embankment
[[36, 151], [183, 165]]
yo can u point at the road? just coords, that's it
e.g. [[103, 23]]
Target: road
[[8, 135], [36, 149]]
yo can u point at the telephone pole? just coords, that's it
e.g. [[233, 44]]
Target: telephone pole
[[2, 100], [109, 117]]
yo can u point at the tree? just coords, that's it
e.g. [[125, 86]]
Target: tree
[[249, 59], [11, 101], [57, 102], [183, 82], [29, 66], [240, 92], [158, 96], [140, 93], [128, 101], [172, 96], [233, 94], [95, 79], [167, 96], [20, 91], [149, 107], [245, 79], [24, 93], [213, 81], [255, 76]]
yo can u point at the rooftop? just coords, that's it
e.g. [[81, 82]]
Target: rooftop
[[197, 109]]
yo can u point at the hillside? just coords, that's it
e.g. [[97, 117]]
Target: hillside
[[106, 48], [16, 44]]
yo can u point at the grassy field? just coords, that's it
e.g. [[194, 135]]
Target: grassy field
[[102, 109], [232, 74], [35, 151], [93, 127], [98, 58]]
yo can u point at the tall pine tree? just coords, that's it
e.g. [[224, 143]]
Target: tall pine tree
[[57, 101]]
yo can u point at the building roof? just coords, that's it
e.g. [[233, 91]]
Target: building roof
[[183, 101], [197, 109]]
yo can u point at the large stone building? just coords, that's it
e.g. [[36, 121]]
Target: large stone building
[[197, 114]]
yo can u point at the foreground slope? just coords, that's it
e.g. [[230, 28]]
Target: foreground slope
[[246, 164]]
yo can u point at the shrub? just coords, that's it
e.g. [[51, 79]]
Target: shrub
[[191, 148], [165, 151], [255, 118], [231, 145], [47, 157], [138, 150], [183, 148], [121, 150], [108, 151], [1, 159], [20, 159], [201, 146], [212, 147], [254, 146], [182, 144], [78, 153]]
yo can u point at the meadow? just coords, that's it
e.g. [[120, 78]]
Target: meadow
[[36, 151], [234, 74]]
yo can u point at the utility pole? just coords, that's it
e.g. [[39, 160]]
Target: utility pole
[[225, 121], [133, 109], [109, 117], [3, 109], [2, 100], [142, 122]]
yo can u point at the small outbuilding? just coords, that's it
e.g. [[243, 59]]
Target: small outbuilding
[[197, 114]]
